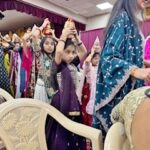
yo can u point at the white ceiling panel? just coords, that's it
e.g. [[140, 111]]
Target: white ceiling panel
[[86, 8]]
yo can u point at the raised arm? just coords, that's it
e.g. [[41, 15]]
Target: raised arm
[[61, 44], [82, 51]]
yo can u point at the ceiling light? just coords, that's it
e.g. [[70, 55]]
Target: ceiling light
[[104, 6]]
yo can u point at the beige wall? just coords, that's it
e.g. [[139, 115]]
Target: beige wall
[[96, 22]]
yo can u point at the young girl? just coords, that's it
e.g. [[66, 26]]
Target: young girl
[[68, 56], [90, 67], [16, 61], [4, 78], [26, 64], [42, 67]]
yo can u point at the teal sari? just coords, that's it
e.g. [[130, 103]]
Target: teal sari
[[121, 53]]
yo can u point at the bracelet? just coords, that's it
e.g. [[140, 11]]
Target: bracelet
[[133, 72], [79, 44]]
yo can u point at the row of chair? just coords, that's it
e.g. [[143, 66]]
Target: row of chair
[[22, 124], [33, 113]]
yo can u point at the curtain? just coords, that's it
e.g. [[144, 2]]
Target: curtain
[[88, 37], [36, 11]]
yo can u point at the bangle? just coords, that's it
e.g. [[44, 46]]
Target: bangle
[[79, 44], [133, 72]]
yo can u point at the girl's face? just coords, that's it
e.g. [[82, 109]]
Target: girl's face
[[69, 54], [95, 60], [28, 42], [142, 3], [17, 40], [29, 30], [17, 46], [49, 45]]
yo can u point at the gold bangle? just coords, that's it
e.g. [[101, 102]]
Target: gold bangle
[[79, 44], [133, 72]]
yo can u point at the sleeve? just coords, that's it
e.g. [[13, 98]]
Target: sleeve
[[87, 71], [113, 64], [86, 67], [114, 71], [55, 69]]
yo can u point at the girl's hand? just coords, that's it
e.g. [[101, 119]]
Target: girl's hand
[[36, 32], [53, 33], [75, 32], [66, 32], [15, 37], [142, 73]]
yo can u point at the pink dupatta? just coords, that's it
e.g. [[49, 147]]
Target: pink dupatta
[[27, 65]]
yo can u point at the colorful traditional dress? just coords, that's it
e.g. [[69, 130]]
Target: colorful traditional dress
[[85, 100], [147, 49], [45, 75], [91, 75], [4, 78], [26, 67], [15, 62], [147, 52], [121, 53], [66, 101], [41, 76]]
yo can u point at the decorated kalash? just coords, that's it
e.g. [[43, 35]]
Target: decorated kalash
[[47, 31], [69, 24]]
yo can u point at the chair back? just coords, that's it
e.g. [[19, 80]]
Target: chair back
[[116, 138], [22, 125]]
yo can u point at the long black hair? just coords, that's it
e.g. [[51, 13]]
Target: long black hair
[[42, 44], [69, 42], [130, 6]]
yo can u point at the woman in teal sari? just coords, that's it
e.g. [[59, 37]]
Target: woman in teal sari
[[121, 64]]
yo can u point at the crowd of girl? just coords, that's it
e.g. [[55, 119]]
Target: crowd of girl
[[39, 65]]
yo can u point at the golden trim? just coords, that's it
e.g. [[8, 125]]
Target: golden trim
[[74, 113]]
